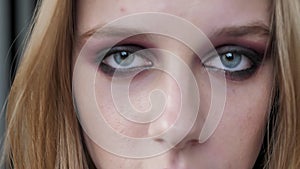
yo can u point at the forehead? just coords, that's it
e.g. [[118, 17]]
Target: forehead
[[205, 14]]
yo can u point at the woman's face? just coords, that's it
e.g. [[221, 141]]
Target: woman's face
[[236, 29]]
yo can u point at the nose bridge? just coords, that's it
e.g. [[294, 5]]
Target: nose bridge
[[172, 105], [178, 83]]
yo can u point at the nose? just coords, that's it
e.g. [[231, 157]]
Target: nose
[[178, 125]]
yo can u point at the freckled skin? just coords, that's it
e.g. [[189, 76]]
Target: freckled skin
[[237, 140]]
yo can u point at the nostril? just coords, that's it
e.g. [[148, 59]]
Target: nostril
[[187, 143], [194, 142], [160, 140]]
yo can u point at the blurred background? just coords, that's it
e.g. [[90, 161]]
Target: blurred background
[[15, 18]]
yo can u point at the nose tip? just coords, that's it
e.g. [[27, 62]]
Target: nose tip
[[177, 137], [158, 127]]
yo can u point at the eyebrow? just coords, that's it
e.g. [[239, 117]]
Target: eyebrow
[[255, 28], [110, 31]]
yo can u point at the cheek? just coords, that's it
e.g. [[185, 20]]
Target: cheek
[[241, 131], [105, 160], [136, 95], [248, 103]]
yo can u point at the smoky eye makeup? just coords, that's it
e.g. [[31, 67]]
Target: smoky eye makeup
[[237, 61]]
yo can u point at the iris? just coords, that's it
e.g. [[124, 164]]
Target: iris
[[123, 58], [231, 60]]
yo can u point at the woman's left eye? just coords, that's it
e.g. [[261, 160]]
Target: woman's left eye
[[237, 62], [125, 59]]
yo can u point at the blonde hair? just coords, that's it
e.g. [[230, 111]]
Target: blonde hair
[[284, 147], [42, 128]]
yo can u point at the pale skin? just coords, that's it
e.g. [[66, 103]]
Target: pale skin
[[237, 140]]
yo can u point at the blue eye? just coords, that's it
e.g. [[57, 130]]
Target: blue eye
[[231, 60], [237, 62], [122, 58], [125, 59]]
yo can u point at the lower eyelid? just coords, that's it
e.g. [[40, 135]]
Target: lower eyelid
[[239, 75], [121, 72]]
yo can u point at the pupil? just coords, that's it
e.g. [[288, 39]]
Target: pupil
[[124, 55], [229, 57]]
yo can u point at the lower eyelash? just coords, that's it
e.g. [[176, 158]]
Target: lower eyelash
[[235, 75], [241, 75], [107, 69], [112, 71]]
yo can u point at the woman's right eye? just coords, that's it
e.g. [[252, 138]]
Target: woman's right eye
[[125, 58]]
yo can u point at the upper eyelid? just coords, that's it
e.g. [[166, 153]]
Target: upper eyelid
[[105, 52], [144, 52], [236, 48]]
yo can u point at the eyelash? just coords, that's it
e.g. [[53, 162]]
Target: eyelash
[[225, 50]]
